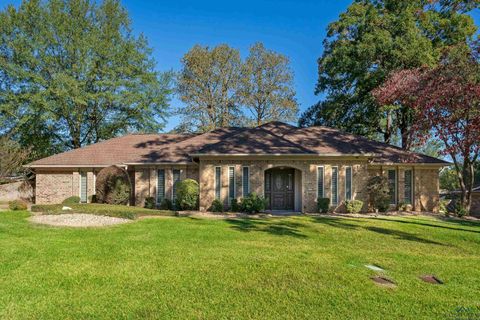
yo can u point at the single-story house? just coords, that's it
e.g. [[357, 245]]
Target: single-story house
[[475, 209], [291, 167]]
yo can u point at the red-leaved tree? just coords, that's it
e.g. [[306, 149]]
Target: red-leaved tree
[[446, 104]]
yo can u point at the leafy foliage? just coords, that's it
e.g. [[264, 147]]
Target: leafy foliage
[[166, 204], [12, 157], [323, 204], [113, 186], [188, 192], [378, 192], [73, 73], [71, 200], [252, 203], [354, 206], [369, 41], [234, 206], [17, 205], [217, 206], [149, 203]]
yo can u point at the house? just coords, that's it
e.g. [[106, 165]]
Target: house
[[475, 209], [291, 167]]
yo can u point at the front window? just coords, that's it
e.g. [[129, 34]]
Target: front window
[[160, 185], [176, 180], [218, 181], [320, 186], [408, 186], [246, 181], [231, 183], [392, 186], [334, 199], [348, 183]]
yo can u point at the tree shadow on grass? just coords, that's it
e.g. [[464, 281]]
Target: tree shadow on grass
[[402, 235], [428, 224], [274, 227]]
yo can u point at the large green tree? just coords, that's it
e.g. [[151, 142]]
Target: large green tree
[[266, 87], [72, 73], [369, 41]]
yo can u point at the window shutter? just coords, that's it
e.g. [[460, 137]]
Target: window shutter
[[320, 183], [392, 186], [231, 183], [408, 186], [160, 185], [348, 183], [218, 177], [246, 181], [334, 186]]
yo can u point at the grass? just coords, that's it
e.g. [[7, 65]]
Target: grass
[[278, 268], [102, 209]]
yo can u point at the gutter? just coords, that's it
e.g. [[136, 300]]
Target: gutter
[[282, 155]]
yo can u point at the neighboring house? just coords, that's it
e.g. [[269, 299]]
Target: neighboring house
[[475, 209], [291, 167]]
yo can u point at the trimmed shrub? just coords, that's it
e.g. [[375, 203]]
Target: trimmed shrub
[[71, 200], [234, 206], [113, 186], [252, 204], [149, 203], [460, 211], [17, 205], [187, 195], [217, 206], [354, 206], [323, 204], [443, 206], [403, 206], [166, 204], [378, 192], [92, 199]]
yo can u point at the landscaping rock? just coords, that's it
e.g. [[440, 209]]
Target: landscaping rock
[[431, 279], [77, 220]]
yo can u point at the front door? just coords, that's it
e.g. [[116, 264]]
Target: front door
[[279, 189]]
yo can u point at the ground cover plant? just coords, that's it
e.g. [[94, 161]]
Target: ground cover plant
[[276, 268]]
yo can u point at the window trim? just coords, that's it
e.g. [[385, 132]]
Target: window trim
[[80, 186], [395, 189], [164, 186], [411, 185], [336, 189], [323, 181], [351, 183], [219, 183], [243, 180], [229, 185]]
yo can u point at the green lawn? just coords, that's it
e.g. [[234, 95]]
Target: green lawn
[[186, 268]]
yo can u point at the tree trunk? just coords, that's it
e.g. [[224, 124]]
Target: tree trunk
[[387, 134]]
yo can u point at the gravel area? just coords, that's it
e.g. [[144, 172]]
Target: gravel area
[[77, 220]]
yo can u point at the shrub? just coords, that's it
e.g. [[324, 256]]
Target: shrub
[[378, 192], [17, 205], [217, 206], [354, 206], [71, 200], [113, 186], [460, 211], [92, 198], [442, 206], [323, 204], [252, 203], [187, 195], [149, 203], [234, 206], [166, 204]]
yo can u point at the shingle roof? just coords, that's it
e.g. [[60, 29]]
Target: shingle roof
[[272, 138]]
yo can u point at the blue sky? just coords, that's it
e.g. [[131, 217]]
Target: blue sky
[[294, 28]]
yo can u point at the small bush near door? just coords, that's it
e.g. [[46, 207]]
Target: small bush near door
[[378, 192], [149, 203], [71, 200], [187, 195], [354, 206], [323, 205], [217, 206], [252, 204], [166, 204], [17, 205], [234, 206]]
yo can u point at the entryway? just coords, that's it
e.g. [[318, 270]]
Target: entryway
[[280, 189]]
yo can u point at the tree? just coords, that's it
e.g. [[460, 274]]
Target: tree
[[207, 84], [369, 41], [12, 158], [72, 73], [445, 101], [266, 86]]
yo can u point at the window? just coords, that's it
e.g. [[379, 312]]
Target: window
[[231, 183], [320, 185], [160, 185], [334, 199], [392, 186], [245, 181], [218, 181], [83, 187], [348, 183], [176, 180], [408, 186]]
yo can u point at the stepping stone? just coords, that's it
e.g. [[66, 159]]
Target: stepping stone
[[384, 282], [431, 279], [373, 267]]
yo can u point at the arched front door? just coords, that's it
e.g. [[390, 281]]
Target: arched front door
[[279, 188]]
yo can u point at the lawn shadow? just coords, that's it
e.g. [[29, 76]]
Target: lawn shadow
[[403, 235], [271, 226], [449, 220]]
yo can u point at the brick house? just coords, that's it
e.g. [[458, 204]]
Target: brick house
[[291, 167]]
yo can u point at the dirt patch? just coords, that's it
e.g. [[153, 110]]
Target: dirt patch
[[431, 279], [77, 220], [384, 282]]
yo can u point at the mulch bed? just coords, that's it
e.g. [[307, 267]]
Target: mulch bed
[[384, 282]]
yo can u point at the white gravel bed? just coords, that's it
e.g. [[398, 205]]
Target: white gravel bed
[[78, 220]]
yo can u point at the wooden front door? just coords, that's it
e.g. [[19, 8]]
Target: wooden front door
[[279, 189]]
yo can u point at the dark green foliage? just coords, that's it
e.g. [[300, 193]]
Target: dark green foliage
[[460, 210], [16, 205], [74, 73], [113, 186], [187, 195], [121, 211], [323, 204], [217, 206], [354, 206], [234, 205], [378, 192], [149, 203], [252, 203], [71, 200], [120, 193], [92, 198], [166, 204]]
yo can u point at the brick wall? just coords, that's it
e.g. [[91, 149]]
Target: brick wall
[[52, 187], [475, 208]]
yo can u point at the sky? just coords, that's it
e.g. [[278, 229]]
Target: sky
[[293, 28]]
